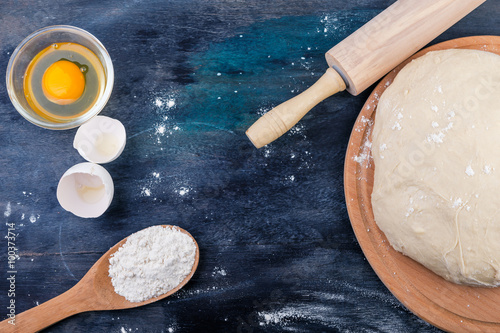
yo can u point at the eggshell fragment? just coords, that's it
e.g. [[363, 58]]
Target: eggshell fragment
[[85, 190], [100, 140]]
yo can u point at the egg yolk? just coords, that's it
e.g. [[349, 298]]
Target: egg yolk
[[63, 82]]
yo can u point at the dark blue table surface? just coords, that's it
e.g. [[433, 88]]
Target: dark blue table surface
[[278, 253]]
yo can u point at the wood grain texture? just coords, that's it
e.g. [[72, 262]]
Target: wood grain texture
[[452, 307]]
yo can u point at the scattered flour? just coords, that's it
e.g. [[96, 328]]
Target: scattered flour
[[160, 129], [457, 203], [396, 126], [183, 191], [364, 156], [361, 158], [169, 102], [365, 120], [297, 312], [439, 136], [151, 262], [146, 192], [302, 159], [469, 171], [163, 102], [8, 210], [219, 271], [34, 218], [151, 185], [435, 137]]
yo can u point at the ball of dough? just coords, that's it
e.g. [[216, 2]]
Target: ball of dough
[[436, 149]]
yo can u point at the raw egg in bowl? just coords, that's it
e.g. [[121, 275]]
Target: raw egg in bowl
[[59, 77]]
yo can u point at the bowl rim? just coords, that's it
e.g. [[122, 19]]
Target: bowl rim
[[96, 108]]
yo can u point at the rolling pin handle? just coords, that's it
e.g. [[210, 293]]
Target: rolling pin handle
[[279, 120]]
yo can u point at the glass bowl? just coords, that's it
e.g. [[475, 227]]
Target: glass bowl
[[30, 47]]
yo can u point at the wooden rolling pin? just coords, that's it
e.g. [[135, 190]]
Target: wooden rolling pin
[[365, 56]]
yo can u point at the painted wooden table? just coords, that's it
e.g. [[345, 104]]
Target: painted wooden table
[[277, 249]]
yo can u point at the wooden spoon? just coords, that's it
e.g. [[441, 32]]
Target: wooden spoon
[[93, 292]]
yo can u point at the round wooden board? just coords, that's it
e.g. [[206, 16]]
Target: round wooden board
[[446, 305]]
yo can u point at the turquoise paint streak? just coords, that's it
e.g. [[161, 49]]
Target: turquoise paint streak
[[267, 63]]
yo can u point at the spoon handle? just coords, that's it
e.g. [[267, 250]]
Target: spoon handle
[[35, 319]]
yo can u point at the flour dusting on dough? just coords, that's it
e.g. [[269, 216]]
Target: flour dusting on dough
[[433, 140]]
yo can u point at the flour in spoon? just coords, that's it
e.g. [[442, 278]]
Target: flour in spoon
[[151, 262]]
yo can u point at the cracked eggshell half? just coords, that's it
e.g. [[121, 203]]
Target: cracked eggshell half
[[85, 190], [100, 140]]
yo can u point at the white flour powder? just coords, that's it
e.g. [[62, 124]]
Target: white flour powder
[[151, 262]]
